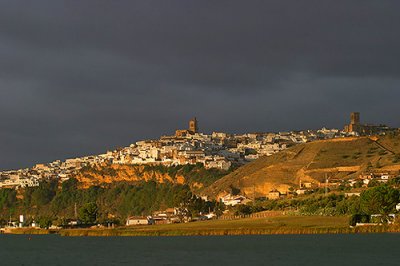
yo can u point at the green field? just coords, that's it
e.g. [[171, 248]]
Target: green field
[[248, 226], [272, 225]]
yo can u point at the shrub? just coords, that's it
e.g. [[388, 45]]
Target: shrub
[[359, 218]]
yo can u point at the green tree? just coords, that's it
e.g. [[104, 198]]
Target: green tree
[[8, 198], [44, 193], [219, 208], [359, 218], [379, 200], [243, 210], [44, 221], [395, 181], [358, 184], [70, 185], [373, 183], [88, 213]]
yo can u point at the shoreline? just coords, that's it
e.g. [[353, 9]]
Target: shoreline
[[282, 225], [227, 232]]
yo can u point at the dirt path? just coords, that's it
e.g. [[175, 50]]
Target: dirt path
[[383, 147]]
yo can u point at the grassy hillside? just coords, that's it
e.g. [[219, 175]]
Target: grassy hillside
[[338, 158]]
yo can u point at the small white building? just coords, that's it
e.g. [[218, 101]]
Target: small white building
[[231, 200], [137, 220]]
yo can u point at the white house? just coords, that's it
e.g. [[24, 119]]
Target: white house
[[137, 220]]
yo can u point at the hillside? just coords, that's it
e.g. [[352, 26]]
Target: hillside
[[196, 176], [342, 158]]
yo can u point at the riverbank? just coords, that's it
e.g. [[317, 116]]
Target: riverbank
[[249, 226], [28, 231]]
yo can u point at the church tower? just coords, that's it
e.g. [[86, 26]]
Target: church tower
[[193, 127], [355, 118], [354, 122]]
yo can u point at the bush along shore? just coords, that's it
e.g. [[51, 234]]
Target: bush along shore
[[226, 232]]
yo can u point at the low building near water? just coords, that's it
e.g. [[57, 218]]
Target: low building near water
[[138, 220]]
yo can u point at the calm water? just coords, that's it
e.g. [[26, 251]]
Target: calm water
[[376, 249]]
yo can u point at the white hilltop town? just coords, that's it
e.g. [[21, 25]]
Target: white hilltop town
[[189, 146]]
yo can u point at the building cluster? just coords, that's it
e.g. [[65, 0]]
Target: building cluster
[[233, 200], [30, 177], [356, 128], [188, 146], [363, 180], [168, 216], [217, 150]]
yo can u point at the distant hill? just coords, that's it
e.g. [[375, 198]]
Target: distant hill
[[341, 158]]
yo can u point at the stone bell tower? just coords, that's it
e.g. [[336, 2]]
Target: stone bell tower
[[355, 118], [354, 125], [193, 127]]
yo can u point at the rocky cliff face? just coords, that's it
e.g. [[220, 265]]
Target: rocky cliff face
[[101, 174]]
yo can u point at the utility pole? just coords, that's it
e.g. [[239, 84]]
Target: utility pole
[[326, 184], [254, 194], [75, 212]]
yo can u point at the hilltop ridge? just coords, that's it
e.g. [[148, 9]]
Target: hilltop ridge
[[218, 150]]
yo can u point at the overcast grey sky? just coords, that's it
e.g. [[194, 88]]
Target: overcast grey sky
[[81, 77]]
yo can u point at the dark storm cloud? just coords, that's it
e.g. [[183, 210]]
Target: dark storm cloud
[[80, 77]]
